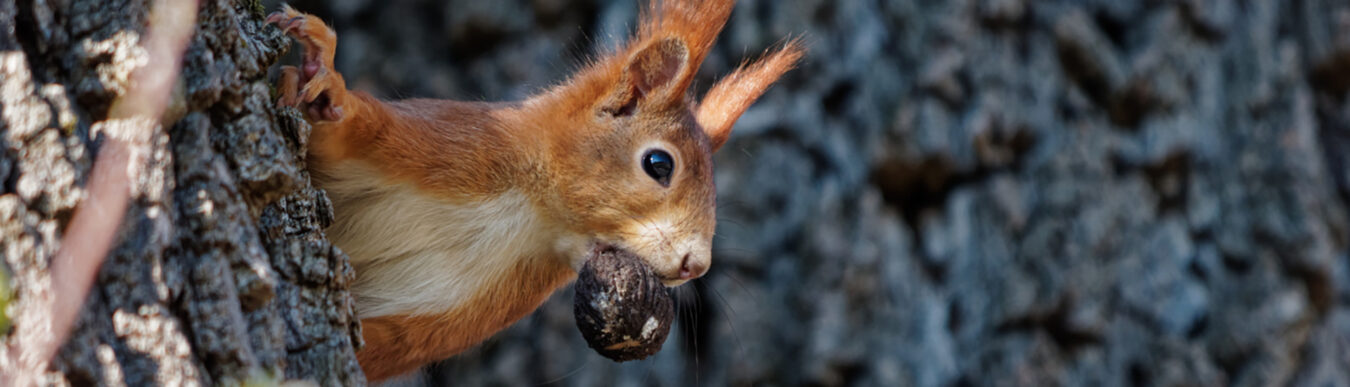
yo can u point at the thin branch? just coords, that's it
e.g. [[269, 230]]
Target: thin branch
[[132, 120]]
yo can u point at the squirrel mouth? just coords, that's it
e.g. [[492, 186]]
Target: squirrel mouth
[[599, 247], [672, 282]]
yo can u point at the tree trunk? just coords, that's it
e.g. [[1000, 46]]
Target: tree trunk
[[1049, 192], [221, 272]]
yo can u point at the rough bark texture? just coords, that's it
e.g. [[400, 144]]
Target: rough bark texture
[[989, 192], [221, 273], [1050, 192]]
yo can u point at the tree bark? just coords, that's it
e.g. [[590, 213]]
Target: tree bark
[[220, 272], [1050, 192]]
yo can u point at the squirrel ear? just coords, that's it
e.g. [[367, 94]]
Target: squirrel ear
[[651, 76], [729, 98], [658, 65]]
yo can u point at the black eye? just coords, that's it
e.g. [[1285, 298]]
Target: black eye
[[659, 165]]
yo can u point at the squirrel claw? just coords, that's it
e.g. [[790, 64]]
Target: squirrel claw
[[288, 87], [287, 14], [314, 86], [274, 17], [289, 21]]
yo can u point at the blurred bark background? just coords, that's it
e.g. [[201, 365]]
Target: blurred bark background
[[969, 192]]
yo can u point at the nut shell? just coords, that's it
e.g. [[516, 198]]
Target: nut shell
[[621, 307]]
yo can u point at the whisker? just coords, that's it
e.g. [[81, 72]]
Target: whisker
[[754, 296], [737, 250], [585, 363], [687, 325], [698, 368], [725, 203], [731, 320], [647, 375], [644, 220]]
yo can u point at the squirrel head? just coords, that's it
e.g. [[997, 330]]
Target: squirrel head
[[630, 153]]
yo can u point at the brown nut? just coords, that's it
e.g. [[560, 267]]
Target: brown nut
[[621, 307]]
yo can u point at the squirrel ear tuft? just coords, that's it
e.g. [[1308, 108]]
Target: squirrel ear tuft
[[651, 77], [729, 98]]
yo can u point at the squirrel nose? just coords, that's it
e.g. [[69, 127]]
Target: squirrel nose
[[690, 269]]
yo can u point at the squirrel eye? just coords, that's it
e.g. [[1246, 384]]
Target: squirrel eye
[[659, 165]]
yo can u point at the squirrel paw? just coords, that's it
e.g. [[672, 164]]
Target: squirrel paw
[[314, 87]]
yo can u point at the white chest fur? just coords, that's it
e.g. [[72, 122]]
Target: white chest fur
[[416, 254]]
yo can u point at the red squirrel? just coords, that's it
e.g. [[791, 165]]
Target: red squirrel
[[462, 217]]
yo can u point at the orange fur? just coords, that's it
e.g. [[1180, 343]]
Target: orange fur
[[419, 340], [729, 98], [574, 152], [458, 150]]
